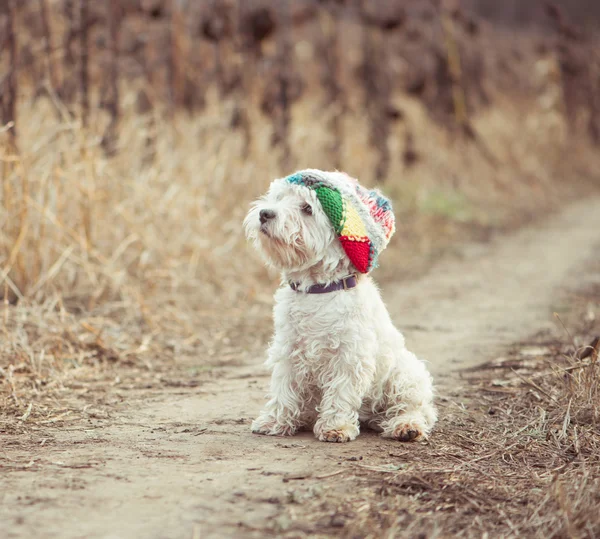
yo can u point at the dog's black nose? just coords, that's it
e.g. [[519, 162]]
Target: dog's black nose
[[265, 215]]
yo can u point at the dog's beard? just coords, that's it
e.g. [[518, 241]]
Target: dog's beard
[[289, 253]]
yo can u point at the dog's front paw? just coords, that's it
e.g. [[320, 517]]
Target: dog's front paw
[[406, 431], [410, 426], [337, 435], [270, 427]]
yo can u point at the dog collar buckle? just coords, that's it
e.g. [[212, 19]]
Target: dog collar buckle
[[345, 284], [345, 281]]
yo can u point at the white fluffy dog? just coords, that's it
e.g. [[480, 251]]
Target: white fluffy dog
[[336, 358]]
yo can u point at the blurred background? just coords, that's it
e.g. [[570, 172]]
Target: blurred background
[[135, 133]]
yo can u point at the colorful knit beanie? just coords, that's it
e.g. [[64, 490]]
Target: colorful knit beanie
[[363, 220]]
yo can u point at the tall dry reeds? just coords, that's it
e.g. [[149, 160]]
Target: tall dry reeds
[[284, 80], [377, 87], [110, 98], [335, 99], [84, 57], [69, 58], [8, 88], [579, 63], [97, 178], [48, 46]]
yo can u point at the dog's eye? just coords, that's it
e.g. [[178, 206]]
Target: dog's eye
[[307, 209]]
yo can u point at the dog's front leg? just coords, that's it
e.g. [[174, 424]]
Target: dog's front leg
[[282, 413], [342, 398]]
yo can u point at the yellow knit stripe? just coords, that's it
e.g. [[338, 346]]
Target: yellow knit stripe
[[353, 227]]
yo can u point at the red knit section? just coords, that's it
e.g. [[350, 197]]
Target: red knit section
[[358, 252]]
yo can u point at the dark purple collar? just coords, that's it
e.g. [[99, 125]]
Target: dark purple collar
[[345, 284]]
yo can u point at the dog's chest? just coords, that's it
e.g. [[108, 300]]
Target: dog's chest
[[318, 328], [316, 316]]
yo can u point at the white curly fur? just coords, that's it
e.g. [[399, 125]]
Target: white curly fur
[[336, 358]]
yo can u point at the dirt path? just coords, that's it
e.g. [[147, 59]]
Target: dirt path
[[184, 464]]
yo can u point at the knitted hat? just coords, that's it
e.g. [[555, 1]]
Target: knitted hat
[[362, 219]]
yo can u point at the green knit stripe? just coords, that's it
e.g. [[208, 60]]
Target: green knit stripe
[[333, 205]]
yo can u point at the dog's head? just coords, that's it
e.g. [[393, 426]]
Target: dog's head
[[290, 229], [320, 218]]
